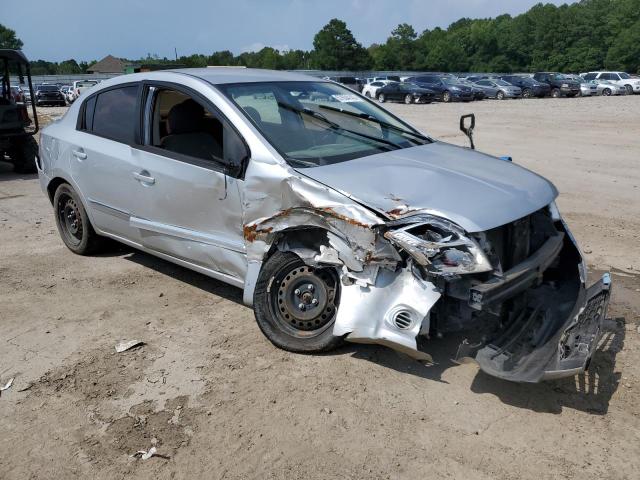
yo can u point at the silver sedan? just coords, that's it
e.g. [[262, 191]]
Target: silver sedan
[[338, 220], [607, 88]]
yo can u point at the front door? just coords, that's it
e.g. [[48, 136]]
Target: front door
[[187, 183]]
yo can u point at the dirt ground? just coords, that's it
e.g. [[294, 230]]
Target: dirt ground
[[220, 402]]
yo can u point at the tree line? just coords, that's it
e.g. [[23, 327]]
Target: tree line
[[586, 35]]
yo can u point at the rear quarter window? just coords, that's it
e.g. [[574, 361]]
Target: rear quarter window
[[115, 114]]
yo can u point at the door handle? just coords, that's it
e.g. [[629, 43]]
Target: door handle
[[79, 154], [144, 177]]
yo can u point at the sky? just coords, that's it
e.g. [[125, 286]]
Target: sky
[[91, 29]]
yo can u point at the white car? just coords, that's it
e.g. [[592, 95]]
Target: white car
[[370, 90], [619, 78], [80, 86], [607, 88]]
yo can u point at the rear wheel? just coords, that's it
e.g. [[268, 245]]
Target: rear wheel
[[296, 305], [381, 98], [73, 223], [24, 155], [446, 97], [367, 94], [408, 99]]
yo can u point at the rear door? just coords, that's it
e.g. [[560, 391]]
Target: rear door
[[101, 157], [187, 182]]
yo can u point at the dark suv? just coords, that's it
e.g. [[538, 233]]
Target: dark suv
[[559, 84], [49, 95], [530, 87], [447, 89]]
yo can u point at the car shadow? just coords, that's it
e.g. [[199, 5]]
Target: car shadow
[[590, 392], [7, 173]]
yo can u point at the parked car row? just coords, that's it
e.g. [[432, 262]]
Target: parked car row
[[447, 87], [52, 94]]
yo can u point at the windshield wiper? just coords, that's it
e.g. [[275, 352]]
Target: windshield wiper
[[335, 126], [367, 116]]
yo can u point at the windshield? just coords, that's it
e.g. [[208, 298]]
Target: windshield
[[502, 83], [559, 76], [320, 123], [48, 88], [624, 76]]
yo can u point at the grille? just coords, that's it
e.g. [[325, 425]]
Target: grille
[[403, 320]]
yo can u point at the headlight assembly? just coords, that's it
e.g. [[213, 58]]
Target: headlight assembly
[[442, 247]]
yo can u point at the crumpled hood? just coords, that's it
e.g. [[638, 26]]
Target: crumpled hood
[[474, 190]]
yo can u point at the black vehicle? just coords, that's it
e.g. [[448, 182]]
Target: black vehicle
[[530, 87], [405, 92], [559, 84], [16, 128], [447, 89], [49, 95]]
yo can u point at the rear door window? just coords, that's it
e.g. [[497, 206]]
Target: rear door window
[[115, 114]]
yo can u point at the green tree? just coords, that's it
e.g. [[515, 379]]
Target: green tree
[[335, 48], [69, 67], [8, 38], [624, 54]]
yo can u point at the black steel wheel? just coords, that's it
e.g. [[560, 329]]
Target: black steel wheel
[[73, 223], [296, 305]]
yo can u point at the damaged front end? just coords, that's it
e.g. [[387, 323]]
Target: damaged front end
[[517, 291]]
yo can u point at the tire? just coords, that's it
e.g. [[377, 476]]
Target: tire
[[527, 93], [408, 99], [629, 89], [446, 97], [283, 276], [606, 92], [367, 94], [381, 98], [556, 93], [500, 95], [73, 224], [24, 155]]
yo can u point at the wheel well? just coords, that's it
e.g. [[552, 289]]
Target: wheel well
[[53, 186]]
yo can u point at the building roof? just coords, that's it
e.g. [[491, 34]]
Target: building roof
[[108, 64]]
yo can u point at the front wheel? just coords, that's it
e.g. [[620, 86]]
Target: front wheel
[[527, 93], [446, 97], [500, 95], [381, 98], [555, 93], [606, 92], [296, 305], [367, 94], [73, 224], [408, 99], [629, 89]]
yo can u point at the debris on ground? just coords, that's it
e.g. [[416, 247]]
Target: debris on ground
[[144, 454], [124, 346], [7, 385]]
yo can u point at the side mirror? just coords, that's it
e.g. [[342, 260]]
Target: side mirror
[[467, 124]]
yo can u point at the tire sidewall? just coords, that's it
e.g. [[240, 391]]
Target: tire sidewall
[[381, 98], [408, 99], [83, 246], [269, 326]]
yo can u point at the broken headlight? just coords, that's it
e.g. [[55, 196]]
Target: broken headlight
[[442, 247]]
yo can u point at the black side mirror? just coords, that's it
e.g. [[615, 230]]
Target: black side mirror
[[467, 124]]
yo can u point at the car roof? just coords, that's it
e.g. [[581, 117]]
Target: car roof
[[243, 75]]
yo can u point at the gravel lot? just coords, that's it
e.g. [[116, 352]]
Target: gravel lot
[[219, 401]]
